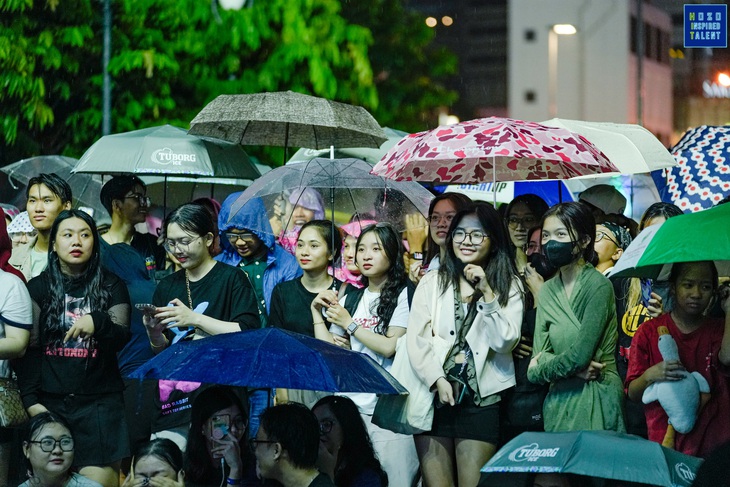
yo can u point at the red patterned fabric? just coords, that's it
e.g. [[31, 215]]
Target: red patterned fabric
[[6, 248], [487, 149]]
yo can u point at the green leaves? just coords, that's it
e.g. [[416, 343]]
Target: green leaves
[[170, 57]]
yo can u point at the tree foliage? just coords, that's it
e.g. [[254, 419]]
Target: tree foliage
[[171, 57]]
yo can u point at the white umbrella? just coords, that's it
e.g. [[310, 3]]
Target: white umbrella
[[631, 148]]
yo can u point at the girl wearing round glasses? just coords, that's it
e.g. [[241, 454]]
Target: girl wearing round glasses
[[440, 213], [575, 330], [81, 319], [473, 307], [48, 448], [374, 317], [204, 298]]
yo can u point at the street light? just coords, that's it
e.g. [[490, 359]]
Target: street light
[[723, 79], [553, 33]]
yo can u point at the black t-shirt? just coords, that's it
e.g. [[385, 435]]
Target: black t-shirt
[[78, 366], [321, 480], [290, 306], [225, 294]]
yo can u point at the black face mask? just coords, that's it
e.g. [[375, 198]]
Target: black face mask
[[559, 253], [541, 265]]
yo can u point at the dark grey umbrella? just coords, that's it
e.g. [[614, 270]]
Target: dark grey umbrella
[[287, 119]]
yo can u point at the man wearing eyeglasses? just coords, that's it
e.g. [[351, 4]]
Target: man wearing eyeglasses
[[47, 196], [286, 447], [136, 258]]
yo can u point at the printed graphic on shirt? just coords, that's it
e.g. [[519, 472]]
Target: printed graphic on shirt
[[77, 347], [175, 395], [633, 318]]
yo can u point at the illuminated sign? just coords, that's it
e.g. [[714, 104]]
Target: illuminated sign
[[705, 25], [714, 90]]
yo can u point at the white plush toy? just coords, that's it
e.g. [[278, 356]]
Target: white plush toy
[[680, 399]]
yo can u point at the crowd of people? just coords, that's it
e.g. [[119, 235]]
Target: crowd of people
[[509, 316]]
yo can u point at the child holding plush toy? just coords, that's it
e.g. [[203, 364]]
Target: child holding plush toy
[[703, 346]]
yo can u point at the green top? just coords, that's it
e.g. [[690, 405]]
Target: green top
[[570, 333], [254, 269]]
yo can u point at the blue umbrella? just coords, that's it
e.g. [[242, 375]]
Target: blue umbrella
[[702, 176], [269, 358]]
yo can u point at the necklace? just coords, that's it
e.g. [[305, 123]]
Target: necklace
[[187, 287]]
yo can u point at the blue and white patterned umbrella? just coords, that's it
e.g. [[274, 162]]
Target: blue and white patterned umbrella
[[702, 176]]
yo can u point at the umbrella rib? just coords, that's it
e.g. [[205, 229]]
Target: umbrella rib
[[243, 133]]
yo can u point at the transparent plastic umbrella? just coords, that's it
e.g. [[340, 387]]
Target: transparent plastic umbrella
[[347, 190]]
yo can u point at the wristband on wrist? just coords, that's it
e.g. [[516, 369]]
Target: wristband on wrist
[[417, 255], [231, 481]]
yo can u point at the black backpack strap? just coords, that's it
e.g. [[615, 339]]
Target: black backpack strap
[[352, 298]]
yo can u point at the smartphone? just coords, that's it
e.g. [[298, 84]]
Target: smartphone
[[645, 292], [146, 308], [219, 426]]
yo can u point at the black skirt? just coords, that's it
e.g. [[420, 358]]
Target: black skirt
[[97, 425]]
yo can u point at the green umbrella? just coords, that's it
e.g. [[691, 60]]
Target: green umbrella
[[166, 151], [693, 237], [598, 454]]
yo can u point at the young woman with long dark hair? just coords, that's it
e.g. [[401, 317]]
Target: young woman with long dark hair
[[374, 317], [217, 446], [441, 211], [317, 248], [474, 305], [575, 330], [346, 453], [81, 319]]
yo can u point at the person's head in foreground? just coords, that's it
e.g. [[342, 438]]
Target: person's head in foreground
[[568, 234], [154, 461], [48, 448], [217, 431], [346, 452], [287, 445]]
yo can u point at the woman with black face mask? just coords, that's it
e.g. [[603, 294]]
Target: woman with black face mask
[[575, 329]]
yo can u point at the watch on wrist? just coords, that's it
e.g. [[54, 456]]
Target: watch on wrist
[[417, 255], [352, 328]]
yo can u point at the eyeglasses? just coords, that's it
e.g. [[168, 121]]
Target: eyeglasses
[[48, 444], [525, 221], [325, 426], [601, 235], [233, 237], [436, 219], [476, 237], [254, 443], [18, 235], [171, 245], [141, 199]]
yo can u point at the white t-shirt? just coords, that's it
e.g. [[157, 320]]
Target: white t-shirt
[[434, 264], [15, 309], [365, 316]]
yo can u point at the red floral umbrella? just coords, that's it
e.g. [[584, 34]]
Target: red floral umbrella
[[492, 149]]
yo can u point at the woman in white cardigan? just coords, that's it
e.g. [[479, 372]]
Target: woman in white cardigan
[[465, 320]]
